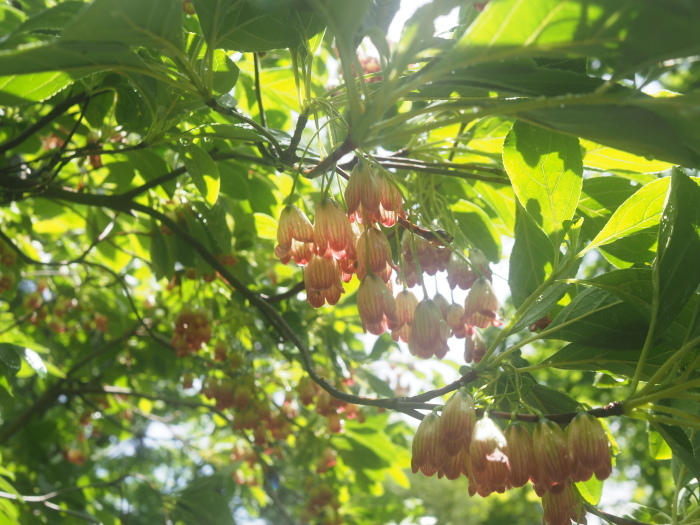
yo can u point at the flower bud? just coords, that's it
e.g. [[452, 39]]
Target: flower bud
[[376, 305], [520, 455], [374, 253], [332, 231], [589, 448], [457, 422], [474, 345], [294, 225], [406, 304], [481, 305], [348, 268], [459, 272], [429, 332], [299, 252], [362, 195], [428, 455], [443, 258], [551, 454], [489, 458]]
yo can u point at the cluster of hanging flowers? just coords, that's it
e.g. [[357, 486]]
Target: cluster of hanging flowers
[[340, 244], [458, 444]]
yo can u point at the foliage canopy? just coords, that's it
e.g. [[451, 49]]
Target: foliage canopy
[[160, 363]]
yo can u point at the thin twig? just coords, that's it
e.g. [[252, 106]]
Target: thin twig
[[258, 90]]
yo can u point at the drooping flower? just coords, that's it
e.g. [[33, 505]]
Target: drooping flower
[[442, 304], [474, 345], [332, 231], [459, 272], [520, 455], [561, 508], [362, 195], [294, 225], [406, 304], [480, 263], [454, 318], [428, 455], [299, 252], [481, 305], [589, 448], [376, 305], [457, 422], [456, 465], [374, 254], [489, 458], [322, 281], [429, 331], [552, 460], [390, 199]]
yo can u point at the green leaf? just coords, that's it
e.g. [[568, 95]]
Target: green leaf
[[156, 23], [265, 226], [591, 490], [531, 259], [676, 269], [616, 361], [542, 306], [225, 73], [17, 90], [658, 447], [77, 58], [623, 32], [10, 358], [203, 170], [161, 259], [610, 159], [550, 400], [35, 361], [639, 212], [217, 227], [599, 318], [476, 226], [54, 18], [681, 446], [254, 25], [546, 170]]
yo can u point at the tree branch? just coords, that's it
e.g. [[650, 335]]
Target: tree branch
[[49, 396], [57, 111], [322, 167]]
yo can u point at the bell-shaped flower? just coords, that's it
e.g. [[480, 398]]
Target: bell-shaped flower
[[474, 345], [322, 281], [376, 305], [454, 318], [333, 233], [456, 465], [299, 252], [561, 508], [429, 332], [362, 195], [480, 263], [520, 454], [459, 272], [374, 254], [552, 459], [406, 304], [428, 455], [294, 225], [348, 268], [442, 305], [589, 448], [457, 422], [481, 305], [489, 458]]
